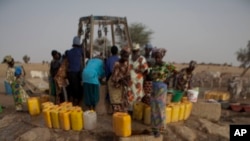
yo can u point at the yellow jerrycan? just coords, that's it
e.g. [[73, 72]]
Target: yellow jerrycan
[[76, 120], [188, 109], [54, 114], [122, 124], [47, 118], [33, 106], [175, 112], [138, 108], [147, 115], [47, 104], [64, 118], [182, 111], [168, 114]]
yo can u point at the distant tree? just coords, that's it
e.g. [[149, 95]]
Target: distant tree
[[26, 59], [140, 33], [243, 56]]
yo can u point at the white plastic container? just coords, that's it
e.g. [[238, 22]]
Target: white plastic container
[[193, 95], [90, 119]]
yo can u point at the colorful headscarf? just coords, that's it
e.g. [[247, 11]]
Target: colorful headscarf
[[7, 59], [161, 51]]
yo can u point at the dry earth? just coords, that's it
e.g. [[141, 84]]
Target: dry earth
[[20, 126]]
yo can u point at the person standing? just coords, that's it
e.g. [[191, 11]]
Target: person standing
[[118, 82], [160, 73], [91, 75], [147, 85], [109, 64], [15, 79], [54, 66], [61, 79], [75, 65], [19, 94], [184, 77], [138, 65]]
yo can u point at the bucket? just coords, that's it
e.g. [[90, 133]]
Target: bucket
[[177, 95], [193, 95], [8, 89], [90, 120]]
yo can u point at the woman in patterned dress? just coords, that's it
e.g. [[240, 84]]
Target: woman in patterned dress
[[138, 66], [15, 78], [184, 78], [118, 82], [160, 72]]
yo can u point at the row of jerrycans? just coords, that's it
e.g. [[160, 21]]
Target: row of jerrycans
[[174, 112], [64, 116]]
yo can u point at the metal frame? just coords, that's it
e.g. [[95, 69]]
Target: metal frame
[[91, 20]]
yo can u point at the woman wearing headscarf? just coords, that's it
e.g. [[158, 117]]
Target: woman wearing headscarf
[[19, 94], [184, 78], [147, 85], [160, 72], [91, 76], [138, 66], [15, 79], [118, 82]]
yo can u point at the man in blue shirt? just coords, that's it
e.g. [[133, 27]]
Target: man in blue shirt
[[111, 61], [75, 60]]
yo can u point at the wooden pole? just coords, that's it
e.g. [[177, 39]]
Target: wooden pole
[[91, 35], [112, 33]]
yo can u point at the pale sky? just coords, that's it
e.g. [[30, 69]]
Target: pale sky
[[209, 31]]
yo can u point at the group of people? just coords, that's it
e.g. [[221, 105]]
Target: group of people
[[136, 78], [131, 77]]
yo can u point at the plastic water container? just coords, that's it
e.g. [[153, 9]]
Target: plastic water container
[[90, 119], [177, 95], [47, 118], [8, 89], [193, 95], [33, 106], [182, 111], [175, 112], [168, 114], [138, 108], [76, 120], [147, 115], [54, 114], [47, 104], [64, 118], [188, 109], [122, 124]]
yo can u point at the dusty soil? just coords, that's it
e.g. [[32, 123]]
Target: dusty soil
[[15, 124]]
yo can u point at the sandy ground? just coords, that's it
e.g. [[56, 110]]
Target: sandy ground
[[20, 122]]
